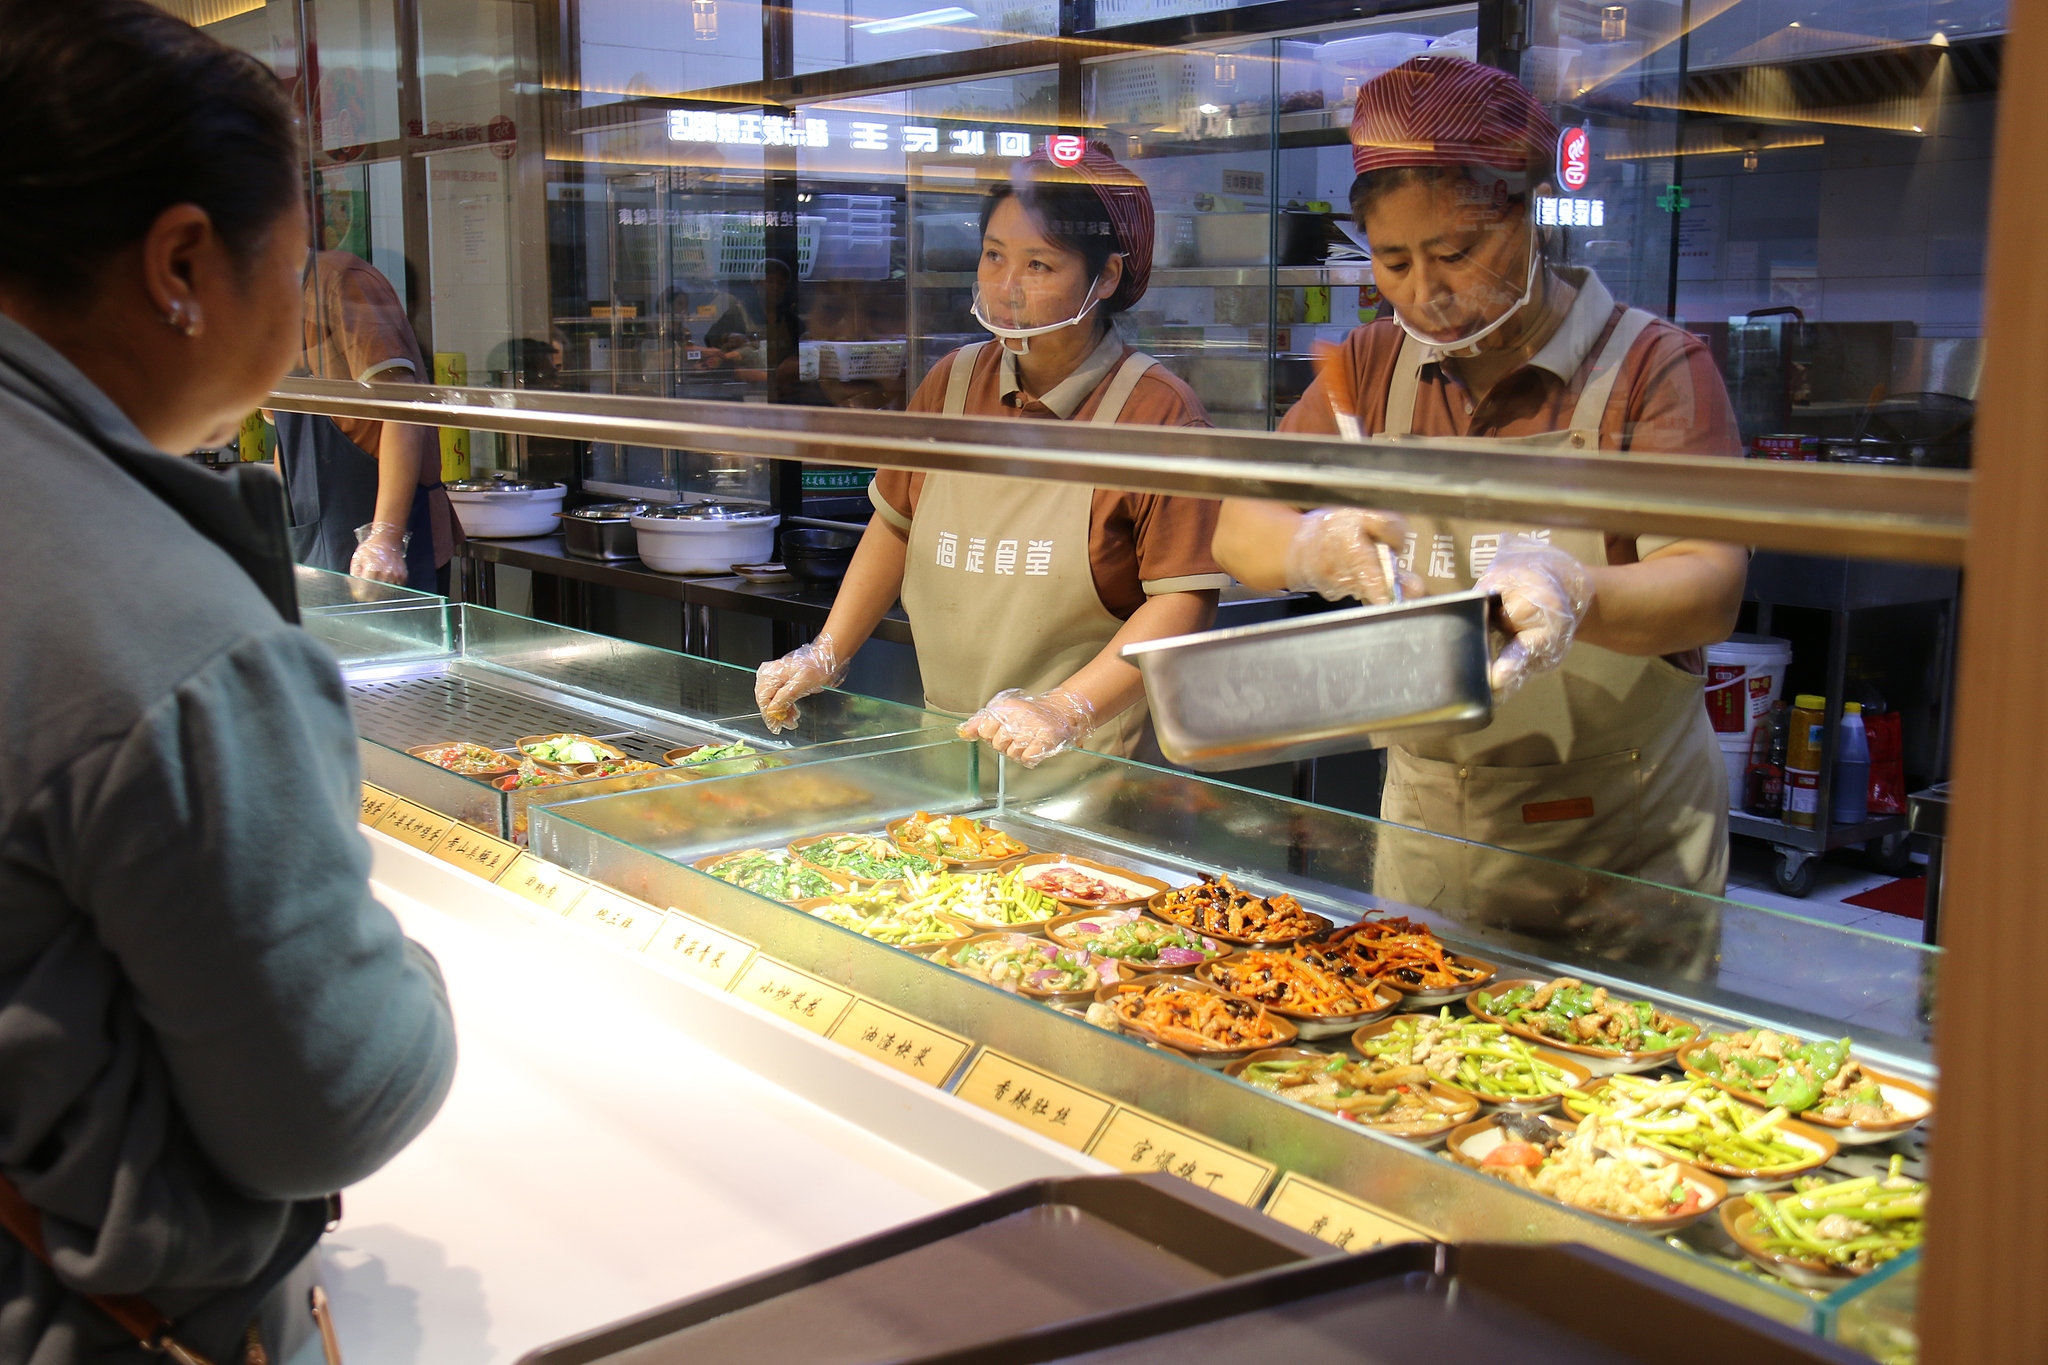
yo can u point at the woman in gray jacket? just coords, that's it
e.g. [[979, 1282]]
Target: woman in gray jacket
[[207, 1025]]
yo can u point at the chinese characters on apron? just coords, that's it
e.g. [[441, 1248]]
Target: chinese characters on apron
[[997, 580], [1607, 761]]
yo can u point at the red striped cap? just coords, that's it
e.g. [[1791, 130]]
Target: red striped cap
[[1125, 201], [1446, 111]]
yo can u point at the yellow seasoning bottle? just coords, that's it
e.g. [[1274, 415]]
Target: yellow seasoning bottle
[[1802, 758]]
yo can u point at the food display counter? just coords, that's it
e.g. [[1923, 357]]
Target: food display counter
[[617, 870], [430, 676]]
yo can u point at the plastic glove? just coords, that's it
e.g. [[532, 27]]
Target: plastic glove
[[1335, 552], [1544, 595], [380, 552], [779, 683], [1032, 729]]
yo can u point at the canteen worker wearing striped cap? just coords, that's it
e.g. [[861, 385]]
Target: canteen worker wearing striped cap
[[1020, 593], [1599, 752]]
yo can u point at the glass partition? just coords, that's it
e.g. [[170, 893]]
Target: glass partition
[[1724, 965], [321, 592]]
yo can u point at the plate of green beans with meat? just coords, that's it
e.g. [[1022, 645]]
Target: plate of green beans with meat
[[1483, 1060], [1697, 1123], [1822, 1233]]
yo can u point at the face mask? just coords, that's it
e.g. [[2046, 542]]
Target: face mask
[[1024, 334], [1468, 346]]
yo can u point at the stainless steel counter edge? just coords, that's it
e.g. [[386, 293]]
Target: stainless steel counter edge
[[1915, 515]]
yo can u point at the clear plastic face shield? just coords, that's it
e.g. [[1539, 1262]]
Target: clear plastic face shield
[[1459, 259], [1012, 307]]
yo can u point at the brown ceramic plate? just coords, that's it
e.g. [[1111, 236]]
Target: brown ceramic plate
[[1574, 1072], [1913, 1100], [1143, 888], [1739, 1219], [1429, 1136], [1059, 928], [1470, 1143], [809, 905], [800, 848], [946, 954], [952, 863], [509, 765], [552, 766], [1823, 1147], [705, 864], [1320, 926], [1310, 1025], [1280, 1032], [1601, 1061]]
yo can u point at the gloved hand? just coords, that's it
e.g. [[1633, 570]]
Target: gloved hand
[[779, 683], [1335, 552], [1032, 729], [1544, 595], [380, 552]]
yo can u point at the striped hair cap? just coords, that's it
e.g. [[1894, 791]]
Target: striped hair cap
[[1126, 202], [1446, 111]]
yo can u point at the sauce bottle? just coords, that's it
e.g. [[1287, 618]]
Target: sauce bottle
[[1802, 759], [1851, 798]]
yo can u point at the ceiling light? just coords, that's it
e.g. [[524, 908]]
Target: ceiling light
[[922, 19]]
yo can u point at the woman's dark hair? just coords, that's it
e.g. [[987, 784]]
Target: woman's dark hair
[[1073, 217], [113, 112]]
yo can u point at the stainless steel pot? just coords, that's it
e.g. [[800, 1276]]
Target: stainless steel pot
[[603, 530]]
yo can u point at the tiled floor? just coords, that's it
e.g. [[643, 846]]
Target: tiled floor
[[1839, 876]]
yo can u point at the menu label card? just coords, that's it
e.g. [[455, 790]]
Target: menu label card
[[1345, 1222], [692, 947], [377, 804], [415, 825], [474, 851], [912, 1046], [631, 923], [550, 887], [1137, 1143], [793, 994], [1068, 1114]]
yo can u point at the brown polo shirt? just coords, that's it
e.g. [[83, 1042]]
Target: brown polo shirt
[[357, 329], [1139, 544], [1668, 399]]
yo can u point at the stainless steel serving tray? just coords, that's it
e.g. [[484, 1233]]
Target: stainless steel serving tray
[[1324, 684]]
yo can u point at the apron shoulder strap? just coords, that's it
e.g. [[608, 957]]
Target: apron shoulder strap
[[1600, 380], [1127, 376], [960, 377], [1401, 389]]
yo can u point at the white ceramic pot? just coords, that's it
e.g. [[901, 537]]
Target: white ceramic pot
[[503, 508], [704, 538]]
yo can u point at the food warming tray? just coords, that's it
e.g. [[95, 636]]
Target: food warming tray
[[1322, 684], [1524, 1304], [1039, 1254]]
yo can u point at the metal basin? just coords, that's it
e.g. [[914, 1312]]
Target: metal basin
[[1315, 685]]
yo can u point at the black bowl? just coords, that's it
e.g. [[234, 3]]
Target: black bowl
[[817, 555]]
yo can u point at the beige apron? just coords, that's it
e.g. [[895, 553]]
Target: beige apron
[[1607, 762], [997, 581]]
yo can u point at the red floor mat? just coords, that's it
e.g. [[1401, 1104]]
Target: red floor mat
[[1906, 897]]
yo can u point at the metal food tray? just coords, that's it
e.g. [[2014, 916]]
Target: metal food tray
[[1037, 1255], [1323, 684], [1532, 1305]]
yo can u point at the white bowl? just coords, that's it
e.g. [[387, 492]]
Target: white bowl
[[674, 545], [513, 511]]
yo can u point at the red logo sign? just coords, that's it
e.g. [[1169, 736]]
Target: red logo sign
[[1066, 149], [1574, 158]]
